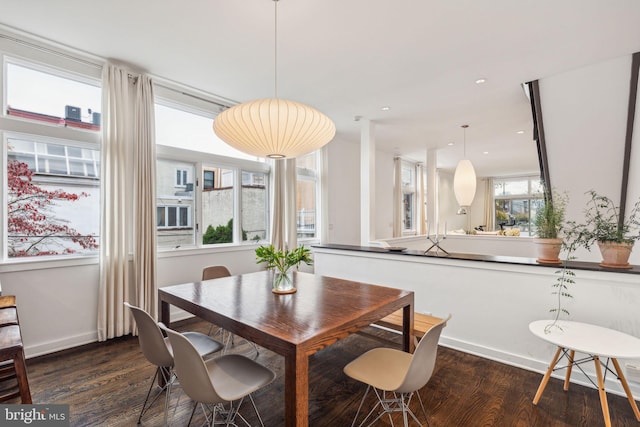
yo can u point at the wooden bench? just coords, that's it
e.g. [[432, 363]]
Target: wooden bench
[[421, 323], [13, 369]]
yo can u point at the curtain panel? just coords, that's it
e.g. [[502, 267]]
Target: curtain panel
[[284, 230], [397, 197], [489, 218], [128, 192]]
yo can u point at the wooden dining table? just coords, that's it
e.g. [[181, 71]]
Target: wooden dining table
[[321, 312]]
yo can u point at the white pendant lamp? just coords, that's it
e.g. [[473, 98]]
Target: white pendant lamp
[[275, 128], [464, 180]]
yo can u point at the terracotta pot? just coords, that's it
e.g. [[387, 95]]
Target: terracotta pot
[[615, 255], [548, 250]]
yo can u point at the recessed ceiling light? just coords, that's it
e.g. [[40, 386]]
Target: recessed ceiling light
[[485, 152], [450, 144], [520, 132], [386, 108], [480, 81]]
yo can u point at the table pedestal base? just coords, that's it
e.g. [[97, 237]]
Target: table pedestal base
[[569, 354]]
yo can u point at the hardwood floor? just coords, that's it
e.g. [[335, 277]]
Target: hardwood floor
[[105, 384]]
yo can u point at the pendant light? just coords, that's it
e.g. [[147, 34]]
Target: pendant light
[[464, 179], [275, 128]]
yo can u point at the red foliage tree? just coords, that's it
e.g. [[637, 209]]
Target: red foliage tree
[[33, 229]]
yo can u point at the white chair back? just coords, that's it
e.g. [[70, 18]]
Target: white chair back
[[424, 360]]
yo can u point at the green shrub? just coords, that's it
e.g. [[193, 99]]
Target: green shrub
[[220, 234]]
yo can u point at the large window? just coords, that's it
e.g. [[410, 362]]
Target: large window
[[52, 97], [307, 191], [205, 198], [255, 202], [51, 183], [408, 197], [516, 200]]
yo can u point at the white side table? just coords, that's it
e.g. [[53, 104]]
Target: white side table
[[595, 341]]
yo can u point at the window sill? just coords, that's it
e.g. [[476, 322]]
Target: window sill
[[33, 263]]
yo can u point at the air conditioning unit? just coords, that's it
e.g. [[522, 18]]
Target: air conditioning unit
[[72, 113], [189, 187], [96, 119]]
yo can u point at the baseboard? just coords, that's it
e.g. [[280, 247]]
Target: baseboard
[[538, 366], [49, 347]]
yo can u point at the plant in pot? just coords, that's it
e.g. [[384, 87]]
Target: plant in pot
[[282, 261], [615, 235], [548, 222]]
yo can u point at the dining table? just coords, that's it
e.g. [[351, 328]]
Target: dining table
[[322, 311]]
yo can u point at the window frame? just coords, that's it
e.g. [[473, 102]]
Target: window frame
[[204, 161], [410, 190], [18, 127], [312, 175], [178, 208], [529, 198]]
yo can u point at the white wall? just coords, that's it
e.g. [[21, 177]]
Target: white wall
[[585, 117], [343, 194], [384, 195], [57, 303]]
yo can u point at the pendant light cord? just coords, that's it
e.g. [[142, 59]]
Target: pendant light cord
[[464, 143], [275, 51]]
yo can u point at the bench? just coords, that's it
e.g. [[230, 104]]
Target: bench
[[421, 323], [13, 369]]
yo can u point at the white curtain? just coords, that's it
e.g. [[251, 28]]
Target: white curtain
[[128, 146], [144, 199], [489, 219], [422, 207], [284, 230], [397, 197]]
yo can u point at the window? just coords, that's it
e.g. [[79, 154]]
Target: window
[[255, 202], [174, 216], [52, 186], [175, 203], [516, 200], [208, 180], [182, 177], [218, 209], [307, 191], [227, 203], [46, 96], [408, 197], [53, 198]]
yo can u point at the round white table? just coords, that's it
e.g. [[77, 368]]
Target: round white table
[[596, 342]]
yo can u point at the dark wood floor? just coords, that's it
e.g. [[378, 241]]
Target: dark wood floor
[[105, 384]]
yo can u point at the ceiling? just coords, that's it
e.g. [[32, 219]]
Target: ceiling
[[350, 58]]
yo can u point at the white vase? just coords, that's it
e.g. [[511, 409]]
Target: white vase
[[283, 282]]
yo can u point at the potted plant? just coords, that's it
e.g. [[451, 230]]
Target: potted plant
[[603, 225], [282, 261], [548, 223]]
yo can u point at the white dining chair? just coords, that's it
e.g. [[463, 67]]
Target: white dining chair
[[396, 376]]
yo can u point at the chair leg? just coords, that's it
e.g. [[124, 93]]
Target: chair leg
[[399, 402], [193, 411], [166, 387], [256, 409], [422, 406], [153, 380], [360, 406]]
